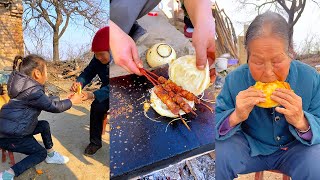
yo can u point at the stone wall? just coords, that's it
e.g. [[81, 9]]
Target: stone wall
[[11, 33]]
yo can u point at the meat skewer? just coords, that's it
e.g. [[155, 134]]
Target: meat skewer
[[186, 94], [172, 95], [165, 98], [172, 106], [175, 97], [179, 100]]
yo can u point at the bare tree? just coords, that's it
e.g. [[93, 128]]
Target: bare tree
[[292, 8], [310, 45], [37, 37], [58, 14]]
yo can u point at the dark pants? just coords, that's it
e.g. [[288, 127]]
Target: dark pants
[[298, 161], [28, 145], [124, 13], [97, 113], [187, 22]]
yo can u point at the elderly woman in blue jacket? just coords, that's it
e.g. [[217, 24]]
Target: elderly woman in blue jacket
[[284, 138]]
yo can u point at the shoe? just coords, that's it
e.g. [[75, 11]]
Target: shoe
[[57, 158], [188, 32], [138, 33], [91, 149]]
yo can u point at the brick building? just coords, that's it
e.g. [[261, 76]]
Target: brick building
[[11, 32]]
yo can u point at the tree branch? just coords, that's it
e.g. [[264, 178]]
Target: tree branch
[[44, 13], [52, 15], [299, 14], [68, 14], [283, 4], [263, 4], [317, 3]]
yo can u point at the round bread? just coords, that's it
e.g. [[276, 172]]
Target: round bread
[[184, 72], [160, 54], [161, 108], [268, 89]]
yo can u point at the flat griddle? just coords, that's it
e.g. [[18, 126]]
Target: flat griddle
[[139, 145]]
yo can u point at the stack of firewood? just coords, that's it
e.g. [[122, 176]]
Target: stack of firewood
[[226, 39]]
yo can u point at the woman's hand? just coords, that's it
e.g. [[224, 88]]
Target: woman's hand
[[87, 95], [124, 50], [75, 98], [292, 110], [245, 101]]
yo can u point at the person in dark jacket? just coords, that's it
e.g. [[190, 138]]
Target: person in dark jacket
[[99, 65], [19, 117]]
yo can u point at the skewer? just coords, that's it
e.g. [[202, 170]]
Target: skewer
[[153, 81], [194, 113], [179, 100], [177, 89], [152, 73], [206, 106], [194, 98], [172, 87]]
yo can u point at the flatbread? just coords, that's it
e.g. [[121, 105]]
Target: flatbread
[[268, 89], [184, 72]]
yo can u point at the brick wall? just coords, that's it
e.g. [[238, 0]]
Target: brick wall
[[11, 33]]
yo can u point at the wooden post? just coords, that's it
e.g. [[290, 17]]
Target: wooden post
[[242, 50]]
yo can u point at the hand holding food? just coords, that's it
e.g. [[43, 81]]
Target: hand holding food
[[292, 107], [87, 95], [75, 86], [75, 98], [268, 89], [245, 101]]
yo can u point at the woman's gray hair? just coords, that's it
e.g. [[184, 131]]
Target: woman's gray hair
[[269, 23]]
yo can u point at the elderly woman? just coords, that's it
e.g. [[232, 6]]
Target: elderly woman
[[98, 66], [284, 138]]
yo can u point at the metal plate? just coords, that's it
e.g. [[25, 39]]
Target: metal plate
[[139, 145]]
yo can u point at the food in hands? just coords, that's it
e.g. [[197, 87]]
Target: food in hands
[[79, 89], [268, 89]]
